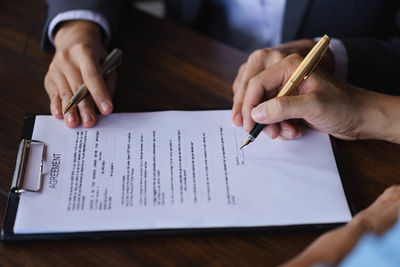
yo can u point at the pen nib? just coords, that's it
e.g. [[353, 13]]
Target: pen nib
[[246, 142], [68, 107]]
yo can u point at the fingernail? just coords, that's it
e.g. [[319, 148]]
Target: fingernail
[[286, 133], [258, 113], [238, 118], [86, 118], [298, 135], [56, 112], [106, 107], [268, 131], [70, 118]]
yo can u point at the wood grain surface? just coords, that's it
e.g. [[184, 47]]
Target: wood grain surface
[[165, 67]]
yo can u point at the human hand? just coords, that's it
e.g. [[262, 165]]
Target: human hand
[[79, 50], [321, 101], [382, 214], [263, 59], [333, 246]]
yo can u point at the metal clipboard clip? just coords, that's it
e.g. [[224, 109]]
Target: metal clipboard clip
[[20, 167]]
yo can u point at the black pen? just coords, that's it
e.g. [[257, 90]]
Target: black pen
[[301, 73], [253, 134]]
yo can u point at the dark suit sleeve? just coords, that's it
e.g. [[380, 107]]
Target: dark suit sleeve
[[109, 9], [374, 64]]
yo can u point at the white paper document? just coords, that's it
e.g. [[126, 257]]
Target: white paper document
[[177, 169]]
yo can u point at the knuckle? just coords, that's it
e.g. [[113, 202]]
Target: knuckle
[[237, 100], [74, 87], [63, 55], [317, 100], [48, 83], [46, 80], [52, 66], [53, 96], [277, 55], [244, 109], [65, 95], [83, 105], [242, 67], [258, 55], [90, 72], [252, 82], [235, 88], [83, 47], [281, 104], [294, 59], [274, 56], [392, 189]]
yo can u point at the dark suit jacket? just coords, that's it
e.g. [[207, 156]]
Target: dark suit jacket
[[369, 29]]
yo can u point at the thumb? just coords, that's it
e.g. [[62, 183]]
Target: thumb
[[280, 109]]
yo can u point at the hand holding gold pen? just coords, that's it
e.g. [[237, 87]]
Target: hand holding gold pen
[[300, 74], [112, 61]]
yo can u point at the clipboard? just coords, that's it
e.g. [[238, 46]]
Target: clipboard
[[17, 188]]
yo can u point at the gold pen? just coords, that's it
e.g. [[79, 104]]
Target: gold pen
[[112, 61], [301, 73]]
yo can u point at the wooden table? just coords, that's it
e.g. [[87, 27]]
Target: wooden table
[[165, 67]]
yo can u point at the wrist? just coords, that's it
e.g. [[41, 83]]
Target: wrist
[[379, 116], [359, 225], [389, 109], [75, 31]]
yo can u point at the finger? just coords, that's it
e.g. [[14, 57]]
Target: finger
[[282, 108], [255, 94], [87, 112], [236, 116], [238, 78], [56, 107], [266, 84], [289, 131], [258, 61], [94, 81], [255, 64], [55, 101], [71, 118], [272, 130], [85, 107], [73, 76], [236, 108]]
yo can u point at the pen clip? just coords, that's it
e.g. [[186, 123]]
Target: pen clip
[[114, 67], [316, 63]]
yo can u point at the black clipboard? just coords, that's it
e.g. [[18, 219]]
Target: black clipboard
[[7, 230]]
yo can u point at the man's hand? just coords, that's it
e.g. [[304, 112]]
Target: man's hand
[[322, 101], [79, 51], [263, 59]]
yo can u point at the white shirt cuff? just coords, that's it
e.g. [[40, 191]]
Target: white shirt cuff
[[79, 14], [340, 58]]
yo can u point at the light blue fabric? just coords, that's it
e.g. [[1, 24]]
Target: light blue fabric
[[373, 250], [262, 20]]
